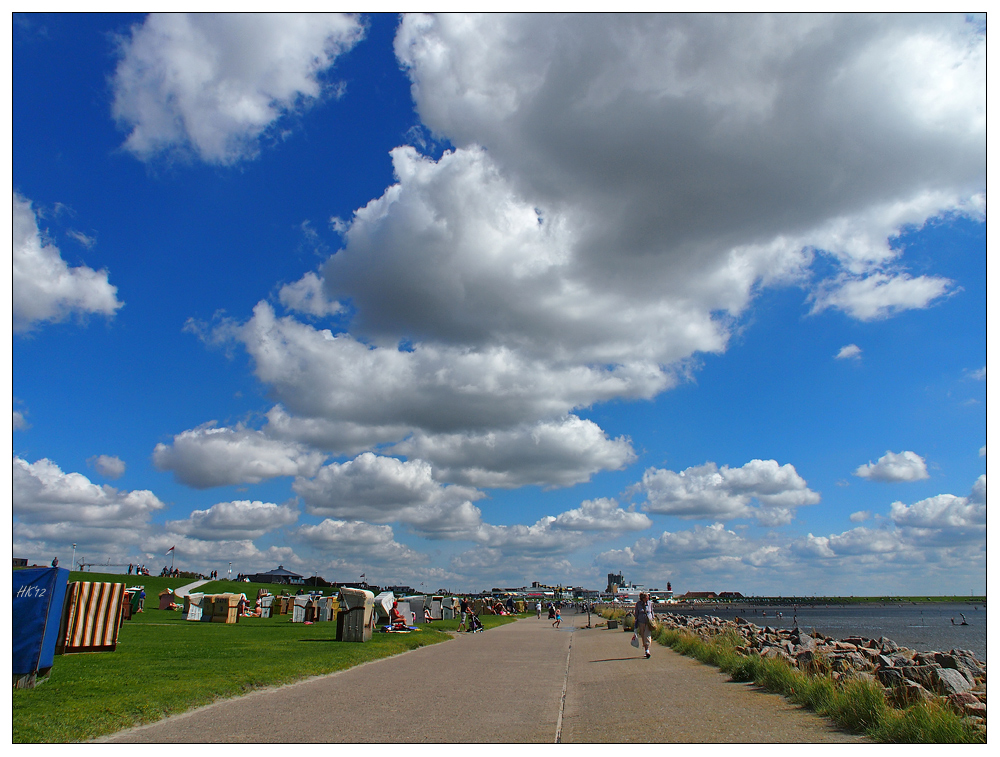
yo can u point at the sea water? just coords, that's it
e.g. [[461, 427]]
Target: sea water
[[922, 627]]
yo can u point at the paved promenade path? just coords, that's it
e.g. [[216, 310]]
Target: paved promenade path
[[523, 682], [183, 591]]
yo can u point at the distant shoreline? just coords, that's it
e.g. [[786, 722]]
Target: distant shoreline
[[824, 601]]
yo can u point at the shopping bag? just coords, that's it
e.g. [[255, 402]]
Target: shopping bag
[[635, 641]]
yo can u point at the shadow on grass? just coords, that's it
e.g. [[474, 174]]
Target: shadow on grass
[[328, 641]]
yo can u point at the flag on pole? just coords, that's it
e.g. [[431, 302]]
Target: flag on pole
[[362, 575], [170, 550]]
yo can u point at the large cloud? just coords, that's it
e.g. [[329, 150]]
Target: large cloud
[[894, 467], [434, 387], [201, 554], [238, 520], [45, 288], [690, 157], [550, 453], [902, 555], [707, 491], [209, 456], [944, 518], [56, 507], [374, 544], [620, 189], [384, 489], [602, 514], [215, 83], [563, 533]]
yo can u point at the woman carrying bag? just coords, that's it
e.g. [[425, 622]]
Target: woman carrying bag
[[644, 621]]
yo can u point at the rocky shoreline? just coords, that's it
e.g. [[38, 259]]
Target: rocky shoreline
[[907, 676]]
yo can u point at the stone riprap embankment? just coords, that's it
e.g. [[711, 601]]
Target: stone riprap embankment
[[907, 676]]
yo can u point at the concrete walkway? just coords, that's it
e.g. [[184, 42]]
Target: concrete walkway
[[523, 682], [183, 591]]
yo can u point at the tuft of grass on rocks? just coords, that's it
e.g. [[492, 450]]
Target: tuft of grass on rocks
[[857, 704]]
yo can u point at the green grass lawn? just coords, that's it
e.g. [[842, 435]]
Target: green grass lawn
[[164, 666]]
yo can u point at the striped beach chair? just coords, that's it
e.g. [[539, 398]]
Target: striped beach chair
[[92, 615]]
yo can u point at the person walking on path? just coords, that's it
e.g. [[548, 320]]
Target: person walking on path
[[463, 607], [558, 620], [538, 609], [643, 614]]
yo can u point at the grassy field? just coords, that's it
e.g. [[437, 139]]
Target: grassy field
[[164, 666]]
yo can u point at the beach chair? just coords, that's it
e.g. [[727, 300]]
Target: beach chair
[[356, 621]]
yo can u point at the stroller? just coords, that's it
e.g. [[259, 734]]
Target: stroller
[[475, 626]]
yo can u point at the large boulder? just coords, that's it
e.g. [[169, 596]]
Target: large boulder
[[883, 662], [805, 643], [980, 691], [900, 660], [925, 675], [965, 703], [910, 692], [777, 653], [887, 645], [965, 662], [890, 677], [845, 662], [950, 681]]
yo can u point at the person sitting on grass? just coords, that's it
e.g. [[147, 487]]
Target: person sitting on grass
[[427, 615]]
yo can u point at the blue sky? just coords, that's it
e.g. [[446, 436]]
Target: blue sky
[[478, 301]]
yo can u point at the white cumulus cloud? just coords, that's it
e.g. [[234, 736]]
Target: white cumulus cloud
[[892, 467], [849, 351], [45, 288], [602, 514], [384, 489], [946, 516], [51, 506], [307, 296], [376, 544], [620, 189], [207, 456], [561, 452], [708, 491], [881, 295], [215, 83], [234, 521], [683, 154], [109, 466]]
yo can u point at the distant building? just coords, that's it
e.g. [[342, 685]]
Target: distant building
[[730, 595], [615, 580], [700, 595], [276, 576], [317, 581], [402, 591]]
